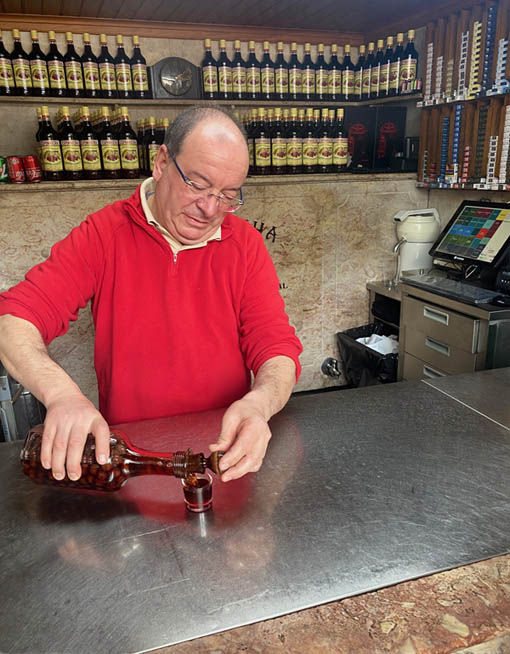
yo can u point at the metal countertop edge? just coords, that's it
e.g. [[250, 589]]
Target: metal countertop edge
[[484, 415]]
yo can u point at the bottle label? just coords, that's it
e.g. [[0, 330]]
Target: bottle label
[[225, 79], [140, 81], [325, 157], [39, 74], [107, 76], [279, 152], [239, 79], [110, 152], [384, 78], [153, 152], [210, 79], [51, 156], [74, 75], [6, 73], [71, 155], [123, 77], [395, 75], [253, 80], [340, 151], [310, 152], [281, 80], [334, 81], [267, 80], [129, 154], [358, 83], [308, 81], [366, 81], [90, 154], [91, 75], [295, 81], [250, 151], [22, 75], [294, 151], [374, 80], [56, 74], [262, 151], [407, 70], [321, 81], [348, 82]]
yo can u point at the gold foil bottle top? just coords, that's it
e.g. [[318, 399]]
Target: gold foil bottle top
[[410, 34], [86, 37], [308, 47], [293, 47], [85, 112], [309, 112], [362, 49], [207, 43], [237, 44], [320, 48], [324, 113], [279, 45], [340, 113], [331, 114], [334, 48], [105, 111], [380, 43], [120, 40], [69, 36], [371, 45], [261, 112], [51, 35], [266, 45], [15, 34], [136, 40], [39, 112], [103, 39], [400, 37], [251, 45], [34, 35], [347, 49], [166, 122], [293, 112], [389, 41], [223, 44]]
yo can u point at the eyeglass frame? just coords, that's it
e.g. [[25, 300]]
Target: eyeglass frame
[[221, 196]]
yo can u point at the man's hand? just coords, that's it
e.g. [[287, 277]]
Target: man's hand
[[244, 437], [245, 433], [68, 421]]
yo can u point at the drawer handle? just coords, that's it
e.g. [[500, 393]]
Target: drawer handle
[[431, 373], [437, 346], [436, 315]]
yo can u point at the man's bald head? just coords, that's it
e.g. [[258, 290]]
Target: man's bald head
[[225, 123]]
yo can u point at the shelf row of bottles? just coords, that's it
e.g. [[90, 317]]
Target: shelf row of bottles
[[377, 73], [73, 75], [97, 146]]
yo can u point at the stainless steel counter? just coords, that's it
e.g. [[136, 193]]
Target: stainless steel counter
[[360, 489]]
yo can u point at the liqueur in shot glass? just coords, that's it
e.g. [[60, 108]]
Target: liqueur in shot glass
[[197, 492]]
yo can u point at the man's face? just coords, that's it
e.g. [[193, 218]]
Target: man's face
[[213, 155]]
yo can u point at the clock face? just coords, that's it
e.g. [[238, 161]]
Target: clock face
[[176, 76]]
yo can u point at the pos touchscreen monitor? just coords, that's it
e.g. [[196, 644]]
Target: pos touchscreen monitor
[[478, 234]]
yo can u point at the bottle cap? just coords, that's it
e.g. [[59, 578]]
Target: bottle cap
[[347, 49], [380, 43], [308, 47], [410, 34], [334, 48], [340, 113], [103, 38], [34, 35], [136, 40], [266, 45], [51, 35], [261, 112], [223, 43], [105, 111], [293, 46], [371, 45], [309, 112], [362, 49], [389, 40], [293, 111], [65, 110], [251, 45], [207, 43], [119, 39], [86, 37], [44, 109], [331, 114], [69, 36], [237, 45], [400, 37], [325, 112], [15, 34], [320, 47], [280, 45]]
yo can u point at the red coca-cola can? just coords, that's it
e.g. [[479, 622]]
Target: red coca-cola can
[[15, 170], [32, 168]]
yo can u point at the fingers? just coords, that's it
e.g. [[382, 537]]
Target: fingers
[[228, 432], [248, 451]]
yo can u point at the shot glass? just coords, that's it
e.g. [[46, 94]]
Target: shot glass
[[198, 492]]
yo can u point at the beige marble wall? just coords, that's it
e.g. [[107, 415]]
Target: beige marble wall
[[331, 236]]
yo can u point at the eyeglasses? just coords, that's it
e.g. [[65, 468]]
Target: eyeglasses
[[227, 202]]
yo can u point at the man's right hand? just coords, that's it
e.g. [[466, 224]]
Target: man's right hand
[[69, 419]]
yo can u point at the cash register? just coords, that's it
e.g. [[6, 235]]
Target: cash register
[[471, 256]]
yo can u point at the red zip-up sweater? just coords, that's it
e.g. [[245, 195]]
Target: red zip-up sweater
[[172, 334]]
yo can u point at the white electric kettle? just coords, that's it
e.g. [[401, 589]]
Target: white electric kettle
[[417, 230]]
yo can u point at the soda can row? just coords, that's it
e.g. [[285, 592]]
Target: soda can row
[[20, 169]]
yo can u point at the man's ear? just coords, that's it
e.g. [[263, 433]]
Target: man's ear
[[160, 162]]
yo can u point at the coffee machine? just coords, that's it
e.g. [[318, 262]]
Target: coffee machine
[[417, 231]]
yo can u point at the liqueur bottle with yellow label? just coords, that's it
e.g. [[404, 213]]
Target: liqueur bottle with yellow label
[[56, 69], [109, 147], [224, 73], [384, 81], [70, 146], [294, 144], [409, 66], [90, 66], [38, 67], [366, 81], [325, 148], [21, 67], [267, 81], [7, 86], [347, 75], [310, 143], [262, 145], [151, 145], [321, 75], [358, 74], [74, 73], [128, 146], [89, 146], [281, 74], [238, 73], [334, 75], [308, 75], [106, 65], [394, 86], [209, 73], [376, 70], [139, 72], [340, 144], [295, 75], [278, 145], [123, 71], [51, 154], [253, 86]]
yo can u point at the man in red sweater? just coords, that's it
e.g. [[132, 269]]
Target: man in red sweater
[[185, 303]]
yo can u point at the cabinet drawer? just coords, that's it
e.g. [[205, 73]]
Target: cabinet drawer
[[438, 354], [443, 324], [416, 369]]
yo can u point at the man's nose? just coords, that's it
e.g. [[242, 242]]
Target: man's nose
[[208, 205]]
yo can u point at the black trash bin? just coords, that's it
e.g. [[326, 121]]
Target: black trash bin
[[364, 366]]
